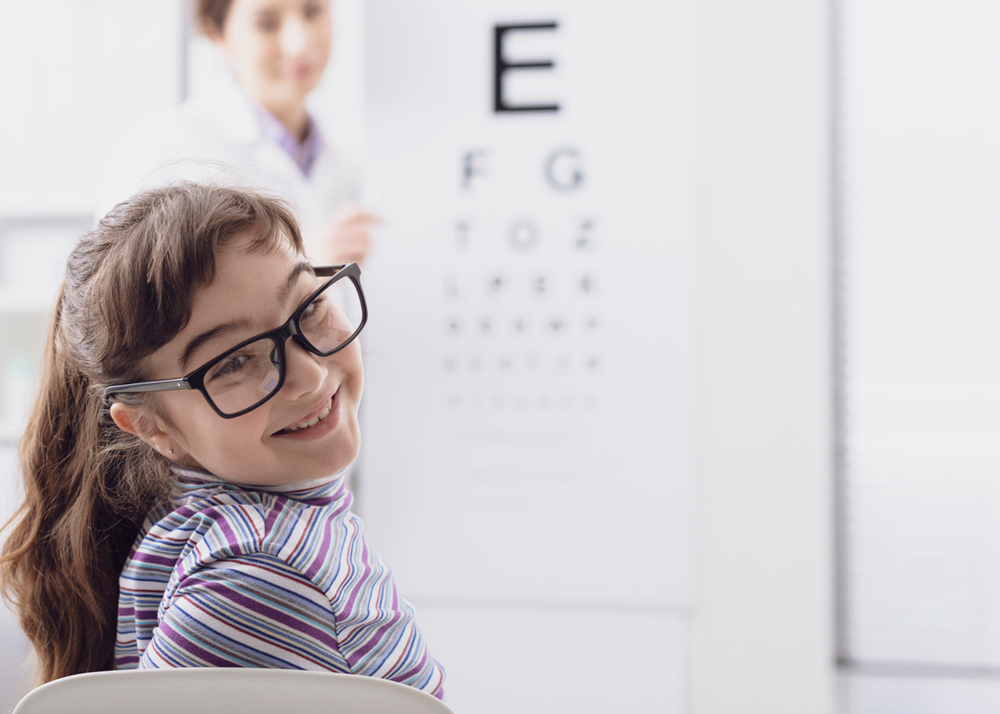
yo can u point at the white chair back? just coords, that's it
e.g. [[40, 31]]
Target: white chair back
[[220, 691]]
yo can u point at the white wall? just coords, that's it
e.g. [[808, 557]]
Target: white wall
[[763, 625]]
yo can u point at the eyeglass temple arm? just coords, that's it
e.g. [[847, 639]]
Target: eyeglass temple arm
[[326, 271], [162, 385]]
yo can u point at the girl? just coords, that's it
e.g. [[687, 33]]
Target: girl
[[257, 122], [184, 521]]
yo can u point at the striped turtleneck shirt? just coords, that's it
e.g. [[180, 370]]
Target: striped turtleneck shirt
[[225, 575]]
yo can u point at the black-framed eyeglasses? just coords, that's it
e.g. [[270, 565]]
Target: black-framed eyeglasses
[[244, 377]]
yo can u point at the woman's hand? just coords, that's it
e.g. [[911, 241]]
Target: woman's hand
[[346, 235]]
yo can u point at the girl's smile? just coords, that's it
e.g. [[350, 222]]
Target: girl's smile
[[318, 422]]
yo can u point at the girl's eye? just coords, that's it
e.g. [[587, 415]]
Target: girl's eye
[[230, 366], [314, 10], [316, 311]]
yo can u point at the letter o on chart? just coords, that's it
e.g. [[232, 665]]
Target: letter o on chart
[[523, 234]]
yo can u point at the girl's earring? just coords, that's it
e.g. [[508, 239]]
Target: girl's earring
[[170, 452]]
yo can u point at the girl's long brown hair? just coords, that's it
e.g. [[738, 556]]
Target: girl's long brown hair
[[87, 484]]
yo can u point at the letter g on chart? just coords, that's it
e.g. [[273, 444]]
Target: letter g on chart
[[564, 169]]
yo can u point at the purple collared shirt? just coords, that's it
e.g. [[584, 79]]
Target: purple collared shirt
[[304, 152]]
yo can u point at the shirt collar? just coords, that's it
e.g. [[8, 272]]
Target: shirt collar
[[188, 481], [303, 152]]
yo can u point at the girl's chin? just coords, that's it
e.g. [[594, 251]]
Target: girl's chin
[[297, 470], [335, 453], [334, 464]]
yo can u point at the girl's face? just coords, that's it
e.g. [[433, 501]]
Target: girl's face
[[253, 293], [277, 48]]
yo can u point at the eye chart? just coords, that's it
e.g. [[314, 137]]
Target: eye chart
[[529, 422]]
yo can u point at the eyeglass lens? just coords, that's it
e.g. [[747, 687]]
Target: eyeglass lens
[[250, 374], [332, 317]]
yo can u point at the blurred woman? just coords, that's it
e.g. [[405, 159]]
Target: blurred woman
[[257, 128]]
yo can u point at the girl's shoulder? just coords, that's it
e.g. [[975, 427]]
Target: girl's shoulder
[[206, 520]]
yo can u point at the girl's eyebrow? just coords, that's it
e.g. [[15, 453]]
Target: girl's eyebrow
[[300, 268]]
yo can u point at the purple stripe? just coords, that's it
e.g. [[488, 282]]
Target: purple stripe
[[269, 612], [187, 645], [272, 515], [321, 552], [230, 536], [152, 558]]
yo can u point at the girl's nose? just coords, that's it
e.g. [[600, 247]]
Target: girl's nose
[[305, 373], [294, 37]]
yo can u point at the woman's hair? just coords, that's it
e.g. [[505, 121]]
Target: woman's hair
[[88, 484], [211, 14]]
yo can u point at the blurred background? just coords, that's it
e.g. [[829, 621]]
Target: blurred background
[[767, 480]]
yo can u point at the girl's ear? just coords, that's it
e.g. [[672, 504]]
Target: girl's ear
[[135, 422]]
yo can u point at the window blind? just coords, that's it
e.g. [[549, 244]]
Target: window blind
[[918, 152]]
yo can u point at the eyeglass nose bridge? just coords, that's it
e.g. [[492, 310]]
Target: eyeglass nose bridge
[[281, 335], [291, 329]]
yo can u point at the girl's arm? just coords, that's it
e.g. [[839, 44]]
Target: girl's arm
[[258, 611], [246, 611]]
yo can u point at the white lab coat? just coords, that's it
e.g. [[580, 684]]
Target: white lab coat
[[218, 138]]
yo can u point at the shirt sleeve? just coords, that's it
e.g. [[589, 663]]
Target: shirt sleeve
[[247, 611], [258, 611], [376, 626]]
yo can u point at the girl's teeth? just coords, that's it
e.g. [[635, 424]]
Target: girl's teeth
[[312, 422]]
